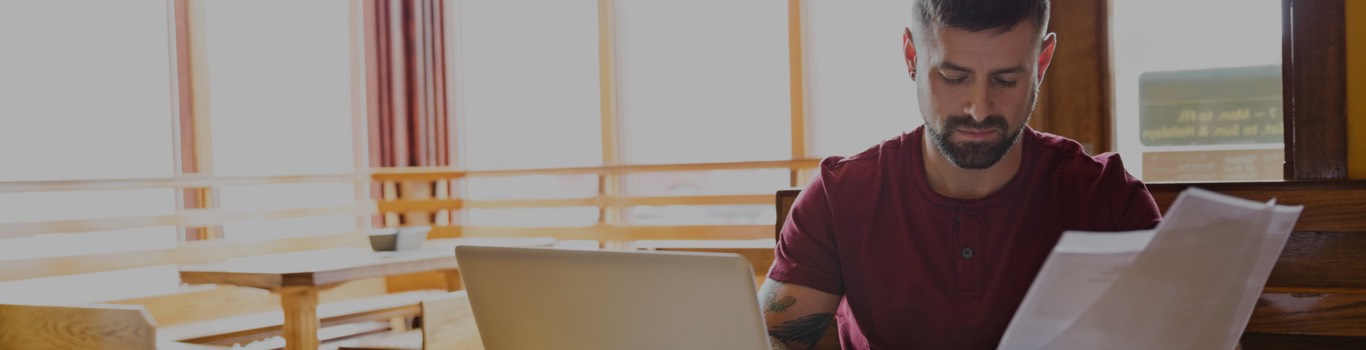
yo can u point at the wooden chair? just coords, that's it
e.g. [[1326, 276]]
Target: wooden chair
[[447, 323], [113, 327], [1315, 297]]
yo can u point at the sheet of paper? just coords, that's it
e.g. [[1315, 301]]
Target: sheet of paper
[[1190, 283]]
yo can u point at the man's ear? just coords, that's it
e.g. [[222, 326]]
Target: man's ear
[[909, 46], [1050, 41]]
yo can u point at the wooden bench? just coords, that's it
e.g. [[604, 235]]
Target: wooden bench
[[1315, 297], [83, 327], [208, 314]]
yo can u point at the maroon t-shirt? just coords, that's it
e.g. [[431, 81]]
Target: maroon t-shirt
[[918, 270]]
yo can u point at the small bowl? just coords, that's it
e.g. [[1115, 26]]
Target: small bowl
[[391, 239]]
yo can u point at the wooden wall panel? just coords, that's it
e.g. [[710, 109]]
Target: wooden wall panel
[[1075, 99], [1314, 72]]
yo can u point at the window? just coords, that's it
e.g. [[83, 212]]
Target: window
[[711, 75], [280, 103], [703, 81], [85, 94], [526, 94], [694, 82], [527, 83], [1198, 102], [858, 92], [89, 98]]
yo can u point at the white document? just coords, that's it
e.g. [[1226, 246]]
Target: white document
[[1190, 283]]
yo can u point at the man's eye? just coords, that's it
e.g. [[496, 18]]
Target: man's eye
[[955, 80], [1006, 83]]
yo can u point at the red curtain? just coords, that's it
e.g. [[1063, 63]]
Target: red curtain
[[406, 98], [406, 68]]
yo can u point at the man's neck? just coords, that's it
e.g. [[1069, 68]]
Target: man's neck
[[954, 182]]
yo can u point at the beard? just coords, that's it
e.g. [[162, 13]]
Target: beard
[[974, 155]]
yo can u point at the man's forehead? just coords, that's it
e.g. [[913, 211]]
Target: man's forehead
[[986, 50]]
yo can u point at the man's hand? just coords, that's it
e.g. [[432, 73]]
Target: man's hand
[[797, 316]]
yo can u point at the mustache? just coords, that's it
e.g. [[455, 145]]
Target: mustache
[[965, 121]]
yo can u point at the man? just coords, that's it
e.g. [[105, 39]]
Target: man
[[930, 240]]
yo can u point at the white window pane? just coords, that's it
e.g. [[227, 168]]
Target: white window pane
[[525, 82], [858, 92], [703, 81], [280, 103], [85, 93], [85, 90], [279, 86], [1195, 102]]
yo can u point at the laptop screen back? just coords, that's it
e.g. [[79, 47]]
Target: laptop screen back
[[535, 298]]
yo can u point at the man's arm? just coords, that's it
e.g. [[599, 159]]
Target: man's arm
[[797, 316]]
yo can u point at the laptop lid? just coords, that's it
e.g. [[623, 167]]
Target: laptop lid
[[537, 298]]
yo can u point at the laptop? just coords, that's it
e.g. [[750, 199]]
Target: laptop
[[541, 298]]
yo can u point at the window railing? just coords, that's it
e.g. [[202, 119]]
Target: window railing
[[424, 199]]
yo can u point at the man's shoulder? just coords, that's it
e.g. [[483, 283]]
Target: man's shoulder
[[1065, 165], [1099, 191], [1067, 158], [867, 164]]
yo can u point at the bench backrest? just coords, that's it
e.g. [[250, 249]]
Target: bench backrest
[[1316, 294], [76, 327]]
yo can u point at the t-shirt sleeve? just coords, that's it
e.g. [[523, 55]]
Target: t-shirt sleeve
[[1140, 211], [1132, 206], [806, 253]]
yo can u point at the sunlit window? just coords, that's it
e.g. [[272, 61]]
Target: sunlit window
[[85, 93], [526, 92], [858, 92], [702, 81], [280, 103], [89, 98], [1198, 97]]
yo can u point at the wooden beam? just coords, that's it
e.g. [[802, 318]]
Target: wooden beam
[[796, 85], [183, 181], [1356, 89], [1075, 97], [453, 204], [622, 233], [429, 173], [1315, 87], [609, 184], [1330, 206], [193, 154]]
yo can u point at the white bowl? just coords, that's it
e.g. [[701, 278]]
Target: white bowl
[[398, 238]]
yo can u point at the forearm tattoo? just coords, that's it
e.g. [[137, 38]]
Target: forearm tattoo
[[805, 331], [782, 304], [771, 294]]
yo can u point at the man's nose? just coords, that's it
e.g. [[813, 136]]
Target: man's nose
[[979, 107]]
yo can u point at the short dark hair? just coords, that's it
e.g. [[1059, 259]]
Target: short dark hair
[[979, 15]]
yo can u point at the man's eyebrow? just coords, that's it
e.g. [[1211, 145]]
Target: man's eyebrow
[[1019, 69]]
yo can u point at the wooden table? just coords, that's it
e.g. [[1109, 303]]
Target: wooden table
[[298, 277]]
